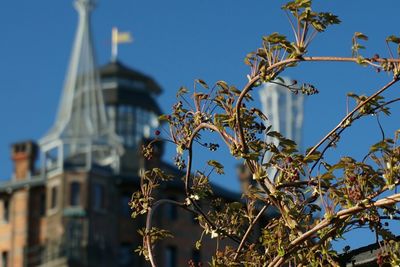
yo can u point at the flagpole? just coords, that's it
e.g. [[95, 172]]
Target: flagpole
[[114, 41]]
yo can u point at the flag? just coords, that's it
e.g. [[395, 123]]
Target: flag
[[121, 37]]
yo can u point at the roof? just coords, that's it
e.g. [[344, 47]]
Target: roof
[[117, 69], [363, 256], [123, 95], [11, 185]]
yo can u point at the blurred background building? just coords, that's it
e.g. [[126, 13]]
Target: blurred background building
[[73, 210], [285, 113]]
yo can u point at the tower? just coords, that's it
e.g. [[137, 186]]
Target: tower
[[284, 111], [132, 110], [81, 134]]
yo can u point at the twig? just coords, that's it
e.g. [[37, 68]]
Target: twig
[[348, 116], [148, 224], [248, 231]]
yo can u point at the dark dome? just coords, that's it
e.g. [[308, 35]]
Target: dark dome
[[117, 69]]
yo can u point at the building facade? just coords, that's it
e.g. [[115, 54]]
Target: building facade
[[73, 209]]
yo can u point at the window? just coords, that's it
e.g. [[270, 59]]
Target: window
[[126, 124], [6, 211], [170, 256], [125, 254], [98, 197], [75, 194], [42, 204], [4, 259], [54, 196], [51, 160], [125, 208]]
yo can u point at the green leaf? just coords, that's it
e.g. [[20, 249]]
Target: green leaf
[[202, 83], [198, 244], [327, 176], [234, 90], [260, 114], [183, 90], [313, 157], [218, 166], [393, 39], [275, 134], [235, 205], [360, 36], [382, 145], [223, 85], [163, 117]]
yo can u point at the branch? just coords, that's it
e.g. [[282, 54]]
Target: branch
[[248, 231], [256, 78], [348, 116], [343, 214], [148, 224], [245, 90], [341, 130], [189, 170]]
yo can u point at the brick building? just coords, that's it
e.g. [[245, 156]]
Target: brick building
[[73, 210]]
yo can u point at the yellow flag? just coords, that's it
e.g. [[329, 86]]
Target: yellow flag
[[121, 37], [124, 37]]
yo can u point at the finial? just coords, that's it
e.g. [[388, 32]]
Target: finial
[[118, 38]]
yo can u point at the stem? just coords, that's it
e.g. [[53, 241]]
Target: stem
[[341, 130], [292, 26], [148, 224], [348, 116], [189, 169], [256, 78], [343, 214], [248, 231]]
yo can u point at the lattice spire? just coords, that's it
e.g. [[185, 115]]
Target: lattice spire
[[81, 122]]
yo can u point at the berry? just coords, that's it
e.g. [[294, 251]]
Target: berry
[[289, 159], [352, 179]]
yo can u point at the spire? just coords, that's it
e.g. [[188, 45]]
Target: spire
[[81, 125]]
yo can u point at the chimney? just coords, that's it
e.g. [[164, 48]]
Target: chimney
[[24, 155]]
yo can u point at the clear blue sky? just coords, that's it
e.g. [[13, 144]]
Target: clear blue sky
[[177, 42]]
